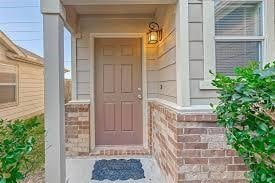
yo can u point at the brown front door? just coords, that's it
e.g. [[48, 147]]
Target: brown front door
[[118, 91]]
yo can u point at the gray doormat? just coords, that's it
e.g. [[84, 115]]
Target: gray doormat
[[118, 170]]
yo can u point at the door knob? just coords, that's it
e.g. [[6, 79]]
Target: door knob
[[139, 97]]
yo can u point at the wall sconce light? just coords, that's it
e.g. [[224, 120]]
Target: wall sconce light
[[154, 34]]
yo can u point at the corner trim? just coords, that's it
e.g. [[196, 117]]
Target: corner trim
[[182, 54]]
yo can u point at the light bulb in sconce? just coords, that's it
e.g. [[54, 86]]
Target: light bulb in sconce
[[154, 34]]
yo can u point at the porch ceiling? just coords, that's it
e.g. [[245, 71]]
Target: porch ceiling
[[118, 2], [116, 9], [130, 11]]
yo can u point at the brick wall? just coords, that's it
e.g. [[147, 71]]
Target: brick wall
[[77, 129], [164, 140], [190, 148]]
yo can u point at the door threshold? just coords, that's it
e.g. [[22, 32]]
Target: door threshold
[[120, 150]]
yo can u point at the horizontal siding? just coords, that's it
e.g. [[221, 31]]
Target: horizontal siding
[[167, 55], [83, 68], [160, 59], [196, 66], [152, 71], [31, 92]]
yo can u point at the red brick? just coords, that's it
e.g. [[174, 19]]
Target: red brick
[[220, 160], [195, 131], [236, 168], [196, 160], [196, 145], [191, 153], [179, 131], [230, 152], [213, 131], [237, 181], [213, 153], [238, 160], [189, 138]]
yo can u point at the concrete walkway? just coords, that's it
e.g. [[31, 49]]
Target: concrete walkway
[[80, 171]]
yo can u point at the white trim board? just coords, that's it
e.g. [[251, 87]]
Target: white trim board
[[182, 54], [144, 82], [180, 109]]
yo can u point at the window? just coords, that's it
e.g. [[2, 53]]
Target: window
[[8, 85], [236, 32]]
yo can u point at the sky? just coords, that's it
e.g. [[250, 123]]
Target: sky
[[21, 21]]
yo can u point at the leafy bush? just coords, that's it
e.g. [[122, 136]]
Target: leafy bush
[[16, 148], [245, 109]]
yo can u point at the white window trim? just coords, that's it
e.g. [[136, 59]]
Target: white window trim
[[209, 38], [15, 103]]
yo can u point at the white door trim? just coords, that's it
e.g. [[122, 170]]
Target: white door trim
[[92, 82]]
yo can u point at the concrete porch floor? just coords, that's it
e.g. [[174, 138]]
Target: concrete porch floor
[[79, 170]]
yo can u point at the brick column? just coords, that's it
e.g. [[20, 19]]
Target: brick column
[[189, 147], [77, 128]]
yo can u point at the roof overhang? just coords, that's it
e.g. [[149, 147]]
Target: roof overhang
[[5, 41], [116, 2]]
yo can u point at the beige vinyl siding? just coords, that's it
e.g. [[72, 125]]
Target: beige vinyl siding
[[152, 71], [94, 25], [31, 92], [160, 58], [83, 68], [167, 54], [198, 97]]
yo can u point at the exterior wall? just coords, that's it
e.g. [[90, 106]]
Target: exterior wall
[[77, 129], [189, 147], [78, 135], [196, 57], [164, 137], [166, 55], [96, 25], [196, 46], [31, 90], [160, 58], [83, 68]]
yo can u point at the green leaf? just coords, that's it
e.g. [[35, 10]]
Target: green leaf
[[263, 177], [263, 127], [19, 176], [243, 102], [6, 175]]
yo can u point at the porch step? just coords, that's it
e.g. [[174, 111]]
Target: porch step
[[120, 151]]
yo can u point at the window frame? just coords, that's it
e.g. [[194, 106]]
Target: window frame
[[16, 84], [209, 38]]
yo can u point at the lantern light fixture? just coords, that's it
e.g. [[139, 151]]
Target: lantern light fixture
[[154, 34]]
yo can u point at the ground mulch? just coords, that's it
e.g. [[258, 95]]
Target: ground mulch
[[38, 177]]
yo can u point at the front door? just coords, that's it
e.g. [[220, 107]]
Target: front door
[[118, 91]]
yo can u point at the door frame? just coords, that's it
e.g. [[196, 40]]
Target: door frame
[[145, 121]]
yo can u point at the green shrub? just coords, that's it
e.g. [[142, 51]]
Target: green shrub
[[245, 109], [16, 147]]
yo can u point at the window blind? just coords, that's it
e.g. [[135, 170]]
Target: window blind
[[236, 54], [238, 18], [8, 83]]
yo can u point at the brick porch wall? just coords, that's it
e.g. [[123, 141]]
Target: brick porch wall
[[77, 129], [190, 148]]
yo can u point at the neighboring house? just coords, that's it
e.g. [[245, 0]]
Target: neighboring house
[[21, 81], [134, 98]]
